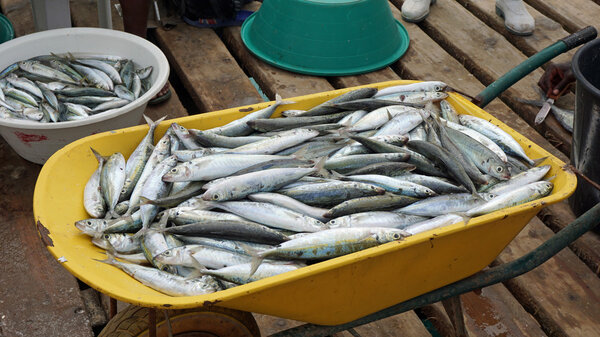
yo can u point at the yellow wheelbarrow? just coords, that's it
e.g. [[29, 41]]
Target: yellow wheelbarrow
[[332, 295]]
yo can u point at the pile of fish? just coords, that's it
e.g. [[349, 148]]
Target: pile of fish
[[199, 211], [58, 88]]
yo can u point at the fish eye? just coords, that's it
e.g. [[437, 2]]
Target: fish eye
[[215, 197], [174, 170], [499, 169], [396, 236], [167, 253], [89, 223], [106, 236]]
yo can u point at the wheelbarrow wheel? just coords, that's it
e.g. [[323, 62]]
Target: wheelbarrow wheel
[[197, 322]]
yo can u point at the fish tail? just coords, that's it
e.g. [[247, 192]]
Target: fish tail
[[164, 219], [301, 153], [538, 161], [280, 101], [110, 259], [155, 123], [199, 268], [337, 175], [145, 201], [98, 156], [464, 216], [320, 166], [144, 230], [257, 258]]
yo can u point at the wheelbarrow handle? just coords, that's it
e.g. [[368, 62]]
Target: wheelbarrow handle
[[490, 276], [512, 76]]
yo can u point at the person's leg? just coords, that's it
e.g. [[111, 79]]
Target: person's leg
[[135, 16], [416, 10], [516, 18], [135, 20]]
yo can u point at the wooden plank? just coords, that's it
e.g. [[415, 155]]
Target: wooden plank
[[20, 14], [547, 31], [573, 15], [491, 312], [488, 55], [494, 311], [562, 294], [206, 68], [39, 297], [408, 323], [586, 247], [269, 325], [272, 80], [381, 75]]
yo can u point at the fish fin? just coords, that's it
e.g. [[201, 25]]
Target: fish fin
[[145, 201], [58, 56], [550, 178], [346, 124], [476, 195], [205, 205], [145, 230], [464, 216], [111, 214], [257, 258], [280, 101], [110, 259], [199, 268], [389, 115], [69, 57], [148, 120], [98, 156], [164, 220], [337, 175], [301, 153], [319, 167], [538, 161]]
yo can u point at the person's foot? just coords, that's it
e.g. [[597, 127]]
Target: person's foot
[[516, 18], [415, 11], [162, 95]]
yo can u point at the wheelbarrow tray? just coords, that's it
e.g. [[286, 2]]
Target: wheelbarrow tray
[[332, 292]]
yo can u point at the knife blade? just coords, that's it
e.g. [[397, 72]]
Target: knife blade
[[541, 115]]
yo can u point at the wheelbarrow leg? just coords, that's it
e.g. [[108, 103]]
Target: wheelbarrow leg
[[453, 307], [112, 308], [151, 322]]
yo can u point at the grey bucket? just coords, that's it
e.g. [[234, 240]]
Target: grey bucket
[[585, 152]]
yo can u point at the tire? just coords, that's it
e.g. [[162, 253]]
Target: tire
[[197, 322]]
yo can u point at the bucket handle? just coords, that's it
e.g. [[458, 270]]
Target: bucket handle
[[536, 60]]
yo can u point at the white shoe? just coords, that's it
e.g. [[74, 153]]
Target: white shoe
[[516, 18], [415, 11]]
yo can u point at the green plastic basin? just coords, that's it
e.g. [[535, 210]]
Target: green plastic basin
[[325, 37], [7, 31]]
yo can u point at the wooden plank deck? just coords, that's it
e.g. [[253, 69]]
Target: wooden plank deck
[[462, 43]]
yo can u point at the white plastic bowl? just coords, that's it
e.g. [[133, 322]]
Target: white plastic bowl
[[36, 141]]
